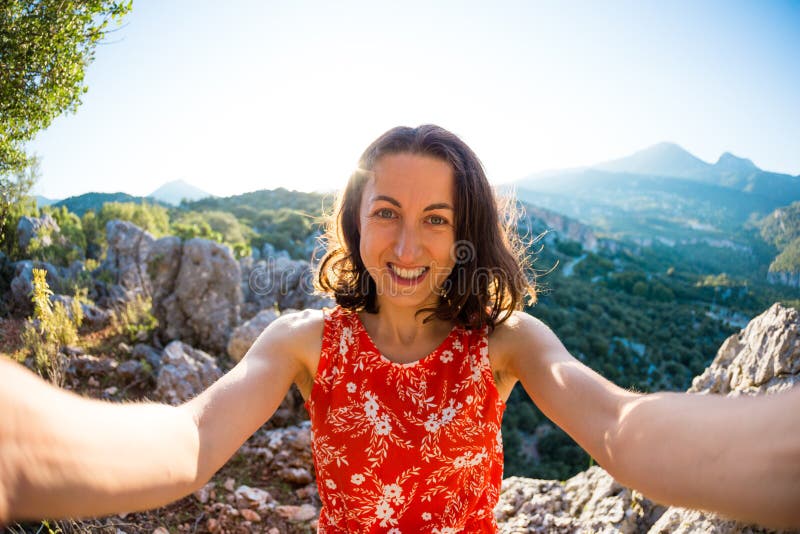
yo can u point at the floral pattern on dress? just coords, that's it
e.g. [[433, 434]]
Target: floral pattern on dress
[[405, 447]]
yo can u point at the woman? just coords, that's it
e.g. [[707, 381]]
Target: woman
[[405, 384]]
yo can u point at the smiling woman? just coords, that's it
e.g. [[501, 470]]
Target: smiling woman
[[405, 382]]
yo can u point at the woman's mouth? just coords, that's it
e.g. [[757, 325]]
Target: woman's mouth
[[407, 276]]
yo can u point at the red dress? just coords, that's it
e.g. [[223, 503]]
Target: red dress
[[405, 448]]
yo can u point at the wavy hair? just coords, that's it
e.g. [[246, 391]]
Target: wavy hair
[[491, 277]]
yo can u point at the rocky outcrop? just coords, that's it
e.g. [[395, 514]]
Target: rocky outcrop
[[761, 359], [281, 282], [185, 372], [128, 247], [196, 295], [246, 333], [39, 228], [784, 278], [21, 286]]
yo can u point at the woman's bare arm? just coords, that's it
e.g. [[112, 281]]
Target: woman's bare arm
[[62, 455], [736, 456]]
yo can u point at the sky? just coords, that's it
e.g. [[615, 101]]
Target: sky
[[246, 95]]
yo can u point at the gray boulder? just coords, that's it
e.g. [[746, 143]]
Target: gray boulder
[[246, 333], [21, 287], [282, 282], [41, 228], [201, 305], [128, 248], [185, 372]]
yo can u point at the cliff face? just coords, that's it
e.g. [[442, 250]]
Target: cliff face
[[763, 358]]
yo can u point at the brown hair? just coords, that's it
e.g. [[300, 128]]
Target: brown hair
[[490, 278]]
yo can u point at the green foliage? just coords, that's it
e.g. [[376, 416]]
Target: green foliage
[[65, 246], [788, 260], [149, 217], [45, 47], [15, 202], [219, 226], [135, 319], [50, 328]]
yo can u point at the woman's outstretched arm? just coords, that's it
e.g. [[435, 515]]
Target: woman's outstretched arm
[[62, 455], [736, 456]]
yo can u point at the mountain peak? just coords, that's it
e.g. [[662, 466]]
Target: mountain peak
[[729, 162], [666, 159], [176, 190]]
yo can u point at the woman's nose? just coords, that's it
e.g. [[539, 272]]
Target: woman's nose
[[407, 245]]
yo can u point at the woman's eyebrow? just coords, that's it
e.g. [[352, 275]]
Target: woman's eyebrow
[[437, 206]]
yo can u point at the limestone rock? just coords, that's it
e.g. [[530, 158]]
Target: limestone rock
[[282, 282], [22, 284], [40, 228], [762, 358], [202, 307], [185, 372], [128, 247], [246, 333]]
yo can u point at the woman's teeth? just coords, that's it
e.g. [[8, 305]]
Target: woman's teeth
[[408, 274]]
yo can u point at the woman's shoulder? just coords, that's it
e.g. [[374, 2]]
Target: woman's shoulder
[[513, 336]]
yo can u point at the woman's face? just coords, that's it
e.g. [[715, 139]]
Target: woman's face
[[406, 223]]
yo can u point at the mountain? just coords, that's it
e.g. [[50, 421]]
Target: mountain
[[175, 191], [94, 201], [669, 159], [44, 201], [663, 159]]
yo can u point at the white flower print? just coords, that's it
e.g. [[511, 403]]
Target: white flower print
[[330, 483], [351, 387], [371, 406], [382, 426], [345, 341], [393, 531], [444, 530], [470, 399], [447, 356], [393, 492], [457, 344], [426, 516], [384, 512], [357, 479], [432, 425]]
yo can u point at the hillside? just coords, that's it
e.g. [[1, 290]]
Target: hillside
[[94, 201]]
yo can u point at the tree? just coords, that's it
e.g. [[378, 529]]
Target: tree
[[45, 47]]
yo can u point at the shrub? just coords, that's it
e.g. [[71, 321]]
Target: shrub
[[49, 329], [135, 319]]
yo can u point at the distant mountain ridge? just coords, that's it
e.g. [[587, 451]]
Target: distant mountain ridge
[[671, 160], [177, 190], [94, 201]]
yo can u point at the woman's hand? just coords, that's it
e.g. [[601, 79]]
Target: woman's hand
[[736, 456]]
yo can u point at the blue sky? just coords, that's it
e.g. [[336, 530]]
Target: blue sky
[[246, 95]]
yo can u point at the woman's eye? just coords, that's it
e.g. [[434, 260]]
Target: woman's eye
[[437, 220], [385, 213]]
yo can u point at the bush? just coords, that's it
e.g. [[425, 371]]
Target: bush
[[135, 319], [49, 329]]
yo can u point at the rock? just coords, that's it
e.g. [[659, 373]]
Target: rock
[[184, 373], [247, 497], [204, 493], [161, 530], [305, 512], [250, 515], [202, 308], [128, 248], [85, 365], [142, 351], [762, 358], [296, 475], [282, 282], [246, 333], [129, 370], [94, 318], [229, 484], [41, 228]]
